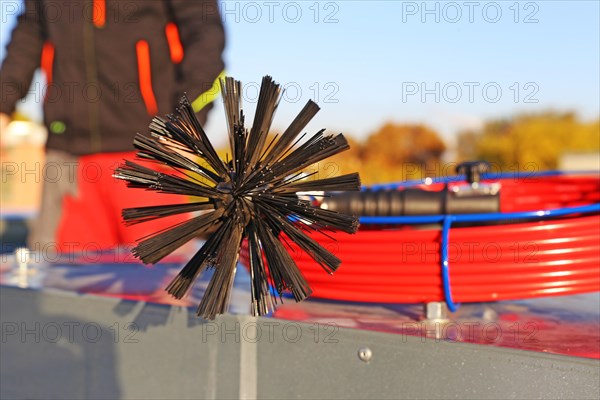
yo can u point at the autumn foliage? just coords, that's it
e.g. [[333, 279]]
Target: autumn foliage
[[530, 141], [397, 152]]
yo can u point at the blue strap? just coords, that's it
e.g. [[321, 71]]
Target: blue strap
[[485, 176], [430, 219], [445, 265]]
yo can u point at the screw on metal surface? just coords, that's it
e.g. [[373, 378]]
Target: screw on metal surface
[[22, 256], [436, 314], [436, 311], [365, 354]]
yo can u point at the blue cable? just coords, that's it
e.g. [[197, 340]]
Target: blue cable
[[461, 178], [446, 265], [429, 219]]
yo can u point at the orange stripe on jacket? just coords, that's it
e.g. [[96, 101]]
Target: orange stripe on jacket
[[47, 61], [145, 76], [175, 46], [99, 13]]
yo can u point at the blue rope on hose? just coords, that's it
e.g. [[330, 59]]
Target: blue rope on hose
[[485, 176], [431, 219], [445, 264]]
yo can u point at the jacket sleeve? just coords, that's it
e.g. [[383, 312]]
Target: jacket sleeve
[[203, 39], [23, 55]]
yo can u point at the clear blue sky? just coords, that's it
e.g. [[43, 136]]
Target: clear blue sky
[[367, 62]]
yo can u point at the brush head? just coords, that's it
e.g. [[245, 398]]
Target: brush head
[[252, 196]]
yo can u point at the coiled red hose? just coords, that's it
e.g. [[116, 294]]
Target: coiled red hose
[[401, 264]]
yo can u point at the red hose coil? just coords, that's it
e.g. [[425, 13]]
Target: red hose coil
[[401, 264]]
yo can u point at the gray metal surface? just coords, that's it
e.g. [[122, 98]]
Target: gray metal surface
[[58, 344]]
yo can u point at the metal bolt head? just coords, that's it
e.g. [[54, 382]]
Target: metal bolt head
[[436, 311], [23, 258], [365, 354]]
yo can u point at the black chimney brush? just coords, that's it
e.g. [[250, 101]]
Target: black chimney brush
[[253, 196]]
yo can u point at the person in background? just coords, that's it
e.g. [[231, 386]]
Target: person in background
[[110, 67]]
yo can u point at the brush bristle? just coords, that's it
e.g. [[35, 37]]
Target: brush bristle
[[253, 197]]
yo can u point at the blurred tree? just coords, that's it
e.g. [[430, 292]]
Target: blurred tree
[[399, 152], [529, 141], [394, 152]]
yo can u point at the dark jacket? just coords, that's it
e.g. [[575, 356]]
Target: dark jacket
[[112, 64]]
